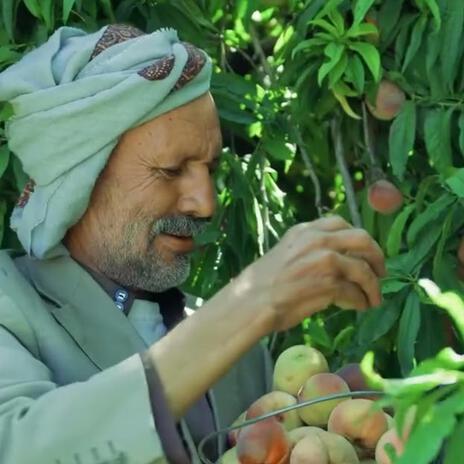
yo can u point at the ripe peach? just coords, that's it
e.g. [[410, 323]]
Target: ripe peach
[[388, 102], [316, 386], [295, 365], [384, 197], [297, 434], [273, 401], [233, 434], [229, 457], [263, 442], [310, 450], [391, 437], [359, 421]]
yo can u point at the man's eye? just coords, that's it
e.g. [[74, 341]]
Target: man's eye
[[170, 172]]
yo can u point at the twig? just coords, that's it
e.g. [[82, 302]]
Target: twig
[[310, 168], [342, 166], [368, 136], [260, 52]]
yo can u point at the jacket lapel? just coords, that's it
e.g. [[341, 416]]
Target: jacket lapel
[[84, 310]]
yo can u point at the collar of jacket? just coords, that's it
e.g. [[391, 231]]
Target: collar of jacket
[[88, 313]]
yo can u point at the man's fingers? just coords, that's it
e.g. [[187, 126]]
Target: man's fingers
[[360, 272], [358, 243], [350, 296], [330, 224]]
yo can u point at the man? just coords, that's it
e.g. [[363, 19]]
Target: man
[[120, 137]]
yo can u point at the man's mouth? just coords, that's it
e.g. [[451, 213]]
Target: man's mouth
[[180, 243]]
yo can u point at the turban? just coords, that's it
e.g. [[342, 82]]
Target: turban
[[72, 98]]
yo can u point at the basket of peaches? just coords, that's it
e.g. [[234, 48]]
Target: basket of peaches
[[313, 416]]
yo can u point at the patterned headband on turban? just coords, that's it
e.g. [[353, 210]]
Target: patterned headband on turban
[[72, 98]]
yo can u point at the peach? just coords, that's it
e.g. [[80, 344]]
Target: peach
[[229, 457], [339, 449], [295, 365], [352, 374], [391, 437], [358, 420], [384, 197], [273, 401], [233, 434], [310, 450], [388, 101], [297, 434], [316, 386], [264, 442]]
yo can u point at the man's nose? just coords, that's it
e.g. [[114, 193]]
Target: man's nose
[[198, 195]]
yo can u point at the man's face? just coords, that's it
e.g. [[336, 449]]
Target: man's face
[[155, 193]]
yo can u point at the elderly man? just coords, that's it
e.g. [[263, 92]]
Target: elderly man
[[98, 364]]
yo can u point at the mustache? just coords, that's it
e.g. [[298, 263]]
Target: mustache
[[180, 225]]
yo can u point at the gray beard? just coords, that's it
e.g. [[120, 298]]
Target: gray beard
[[149, 271]]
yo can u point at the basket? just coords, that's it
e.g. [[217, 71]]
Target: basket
[[353, 394]]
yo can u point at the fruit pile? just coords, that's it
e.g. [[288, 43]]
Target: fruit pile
[[336, 431]]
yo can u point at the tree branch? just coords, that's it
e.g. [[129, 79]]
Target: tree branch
[[343, 167], [312, 173], [368, 136]]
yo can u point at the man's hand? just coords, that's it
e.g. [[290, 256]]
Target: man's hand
[[316, 264]]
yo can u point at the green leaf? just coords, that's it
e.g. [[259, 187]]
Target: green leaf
[[407, 332], [452, 41], [48, 13], [378, 321], [338, 21], [461, 132], [67, 7], [416, 40], [323, 24], [453, 454], [456, 182], [361, 29], [389, 14], [370, 55], [337, 72], [4, 159], [433, 213], [9, 15], [438, 258], [33, 6], [396, 231], [334, 52], [425, 441], [401, 138], [437, 134], [355, 73], [393, 286], [306, 45], [361, 7], [435, 10], [278, 148], [329, 5], [451, 302]]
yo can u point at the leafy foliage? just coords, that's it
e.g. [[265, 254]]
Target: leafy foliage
[[287, 72]]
